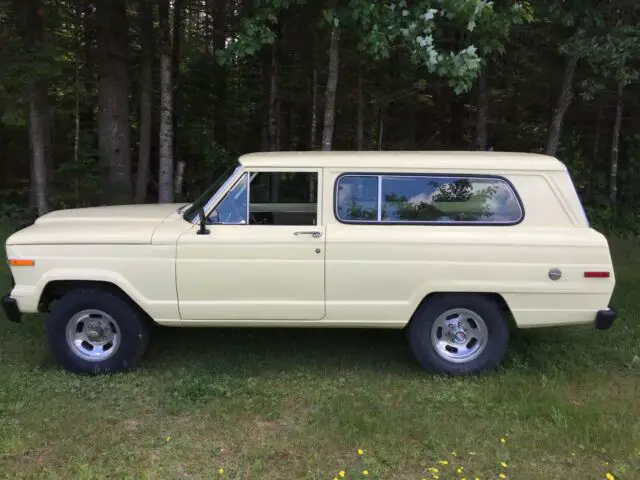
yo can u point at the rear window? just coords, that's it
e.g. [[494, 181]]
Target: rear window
[[426, 199]]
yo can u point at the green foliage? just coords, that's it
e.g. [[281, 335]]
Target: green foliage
[[256, 30], [415, 58], [614, 55], [418, 28]]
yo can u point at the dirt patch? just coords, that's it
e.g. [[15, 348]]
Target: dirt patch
[[35, 459]]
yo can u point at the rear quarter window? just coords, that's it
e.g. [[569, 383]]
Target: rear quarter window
[[433, 199]]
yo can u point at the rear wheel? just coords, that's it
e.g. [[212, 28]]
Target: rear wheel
[[459, 334], [96, 331]]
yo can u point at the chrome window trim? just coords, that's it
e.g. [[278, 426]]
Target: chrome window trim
[[470, 176], [335, 198], [221, 192]]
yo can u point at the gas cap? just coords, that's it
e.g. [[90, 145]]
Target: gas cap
[[555, 274]]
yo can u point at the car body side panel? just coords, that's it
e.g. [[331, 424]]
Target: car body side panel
[[144, 272], [383, 272]]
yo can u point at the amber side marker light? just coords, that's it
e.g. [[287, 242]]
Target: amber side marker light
[[21, 262], [597, 274]]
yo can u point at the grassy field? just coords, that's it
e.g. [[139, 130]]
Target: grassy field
[[298, 404]]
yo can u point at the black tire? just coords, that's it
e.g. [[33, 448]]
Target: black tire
[[132, 324], [497, 340]]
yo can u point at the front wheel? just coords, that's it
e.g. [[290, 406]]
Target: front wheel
[[459, 334], [96, 331]]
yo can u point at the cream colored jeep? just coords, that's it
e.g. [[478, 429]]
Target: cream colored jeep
[[457, 247]]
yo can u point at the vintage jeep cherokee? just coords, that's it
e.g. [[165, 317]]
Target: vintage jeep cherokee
[[457, 247]]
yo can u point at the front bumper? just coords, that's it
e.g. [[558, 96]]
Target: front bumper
[[11, 310], [605, 318]]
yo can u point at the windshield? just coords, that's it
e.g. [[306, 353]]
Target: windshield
[[201, 201]]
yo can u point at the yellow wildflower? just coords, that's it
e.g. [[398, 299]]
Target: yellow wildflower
[[453, 453], [443, 462], [360, 451], [433, 470], [610, 477], [503, 464], [221, 471], [460, 469], [341, 473], [502, 440], [502, 475], [365, 472], [168, 438]]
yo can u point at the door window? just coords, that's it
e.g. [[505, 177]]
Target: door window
[[273, 198]]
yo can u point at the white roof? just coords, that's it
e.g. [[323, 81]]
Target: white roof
[[405, 160]]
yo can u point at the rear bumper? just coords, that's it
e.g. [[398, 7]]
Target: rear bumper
[[605, 318], [11, 310]]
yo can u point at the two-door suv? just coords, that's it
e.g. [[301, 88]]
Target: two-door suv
[[458, 248]]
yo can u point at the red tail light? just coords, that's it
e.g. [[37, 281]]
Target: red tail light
[[597, 274]]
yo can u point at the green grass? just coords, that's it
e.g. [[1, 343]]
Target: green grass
[[297, 404]]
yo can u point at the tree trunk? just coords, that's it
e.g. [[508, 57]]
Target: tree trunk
[[314, 110], [593, 165], [165, 176], [381, 128], [615, 142], [564, 100], [30, 25], [456, 125], [146, 99], [274, 100], [313, 134], [178, 14], [330, 90], [482, 119], [179, 177], [77, 28], [265, 77], [37, 99], [113, 100], [89, 75], [360, 114], [219, 14]]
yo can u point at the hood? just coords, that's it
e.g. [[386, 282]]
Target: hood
[[124, 224]]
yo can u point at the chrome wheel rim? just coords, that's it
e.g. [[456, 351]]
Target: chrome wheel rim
[[93, 335], [459, 335]]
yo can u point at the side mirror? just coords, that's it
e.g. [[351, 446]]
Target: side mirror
[[203, 230]]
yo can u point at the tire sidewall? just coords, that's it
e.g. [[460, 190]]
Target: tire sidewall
[[133, 331], [425, 352]]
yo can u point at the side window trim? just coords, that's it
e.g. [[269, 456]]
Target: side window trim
[[380, 176]]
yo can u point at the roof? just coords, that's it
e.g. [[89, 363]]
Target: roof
[[406, 160]]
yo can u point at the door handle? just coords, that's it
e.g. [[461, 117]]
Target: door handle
[[313, 234]]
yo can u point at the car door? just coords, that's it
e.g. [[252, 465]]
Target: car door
[[263, 258]]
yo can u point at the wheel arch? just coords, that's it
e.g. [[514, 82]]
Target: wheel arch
[[56, 289], [497, 298]]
